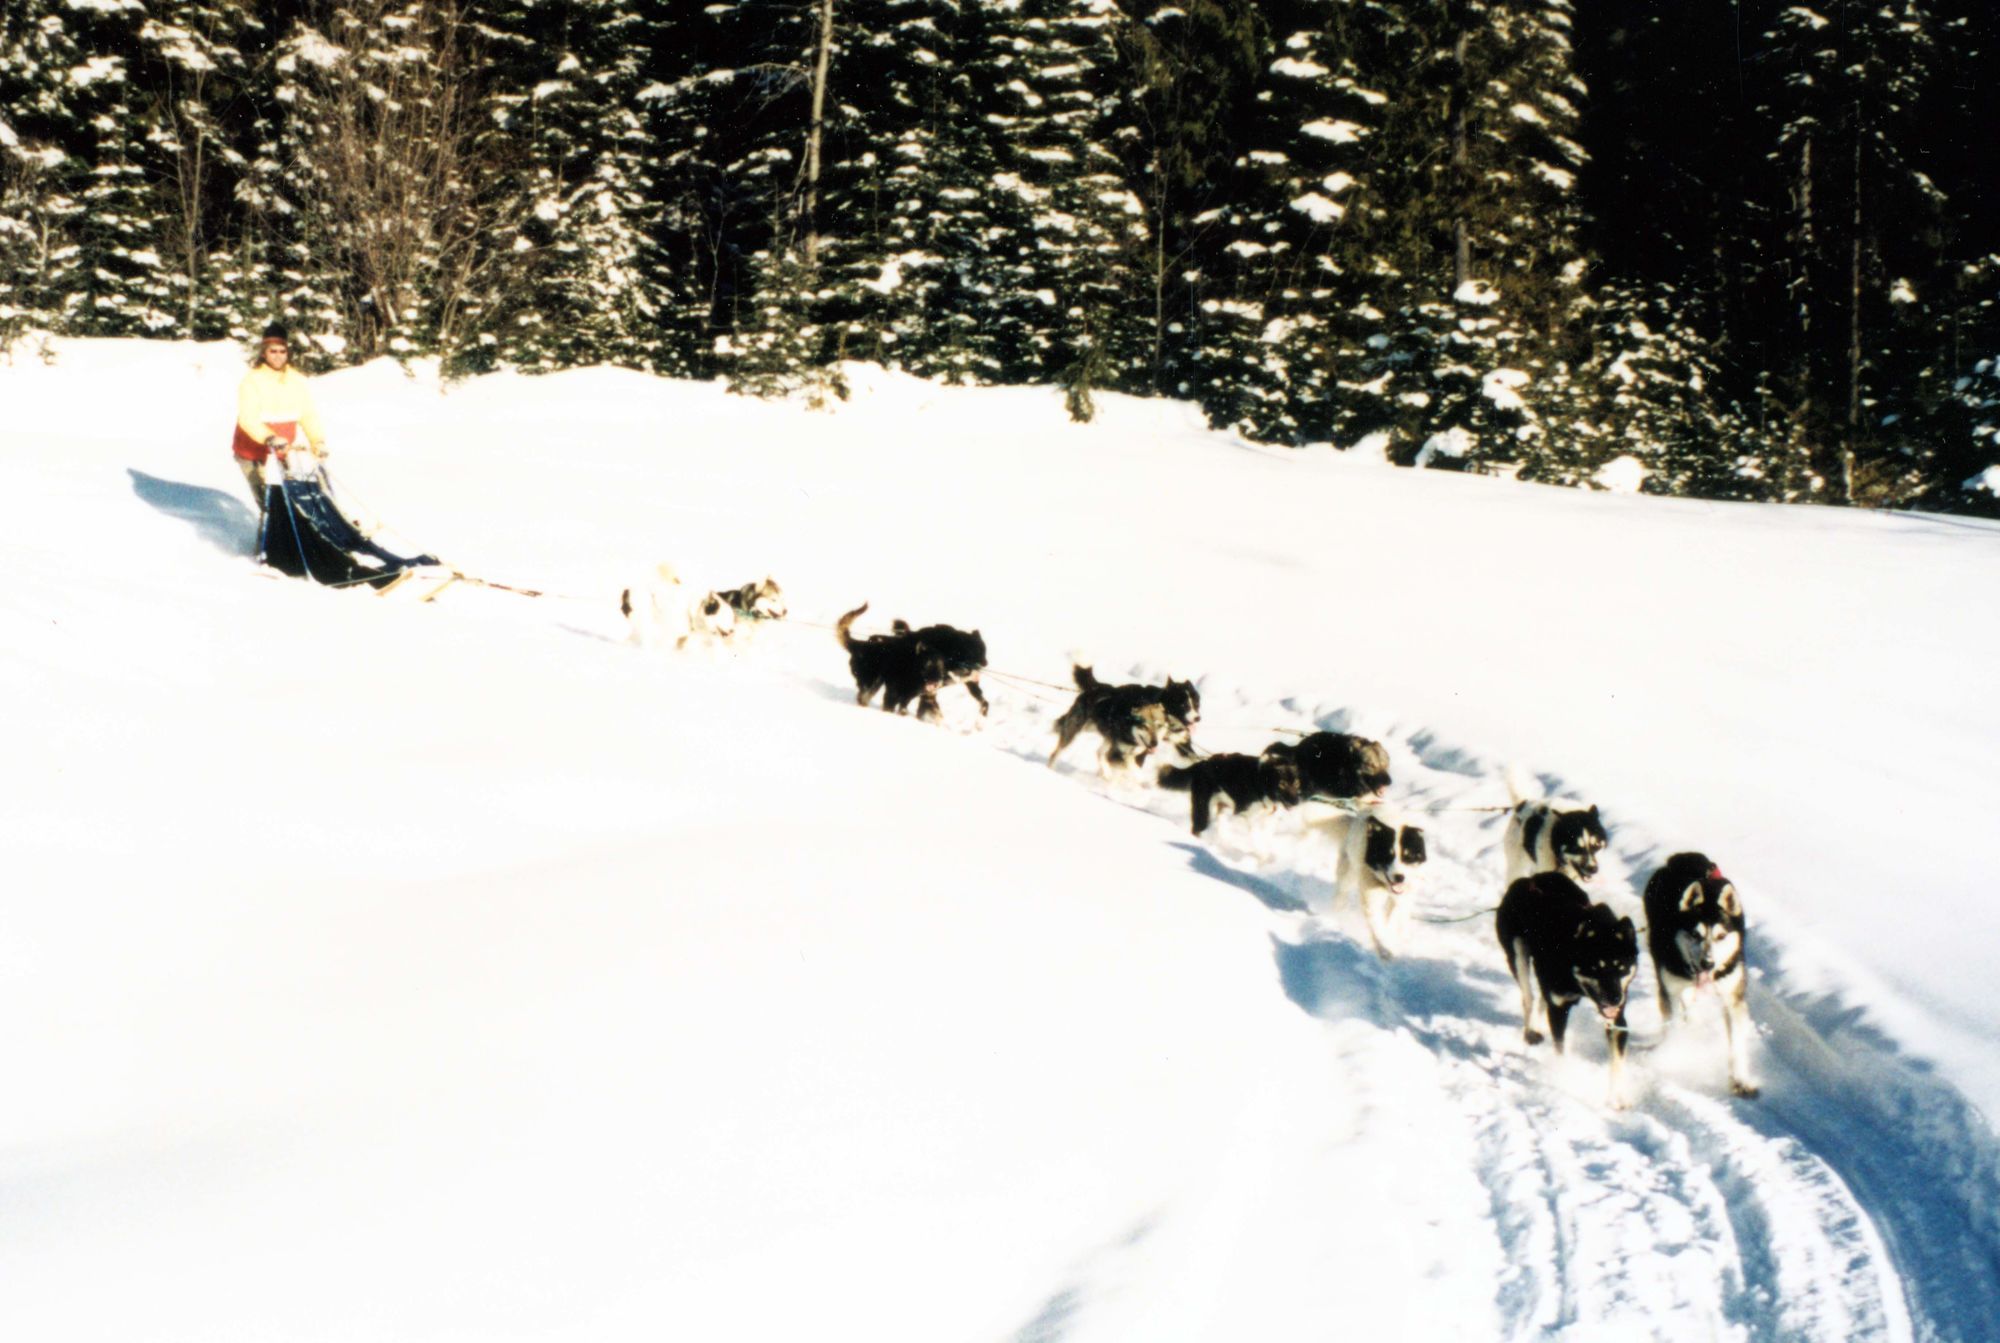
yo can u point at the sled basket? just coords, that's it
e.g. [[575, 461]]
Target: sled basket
[[307, 536]]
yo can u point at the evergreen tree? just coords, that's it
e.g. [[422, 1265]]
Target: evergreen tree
[[192, 66], [38, 205], [584, 284], [1485, 261], [116, 281], [1191, 73], [1858, 261], [737, 147], [1075, 233], [1289, 306], [910, 219]]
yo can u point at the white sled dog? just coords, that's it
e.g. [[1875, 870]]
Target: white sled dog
[[663, 610], [1378, 856]]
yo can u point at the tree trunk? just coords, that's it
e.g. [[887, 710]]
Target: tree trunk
[[1461, 162], [824, 59], [1853, 336]]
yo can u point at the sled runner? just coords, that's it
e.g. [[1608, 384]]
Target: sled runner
[[307, 536]]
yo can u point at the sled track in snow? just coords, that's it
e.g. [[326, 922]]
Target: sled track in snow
[[1855, 1200], [1858, 1199]]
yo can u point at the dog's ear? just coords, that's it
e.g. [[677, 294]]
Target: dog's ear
[[1730, 904], [1413, 847], [1691, 896]]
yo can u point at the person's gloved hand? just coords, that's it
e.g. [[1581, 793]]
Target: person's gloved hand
[[275, 444], [320, 451]]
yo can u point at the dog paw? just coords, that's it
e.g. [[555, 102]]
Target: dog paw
[[1532, 1037], [1747, 1090]]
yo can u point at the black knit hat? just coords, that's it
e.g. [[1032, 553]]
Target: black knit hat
[[276, 331]]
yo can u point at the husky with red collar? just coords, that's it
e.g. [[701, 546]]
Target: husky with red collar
[[1694, 930]]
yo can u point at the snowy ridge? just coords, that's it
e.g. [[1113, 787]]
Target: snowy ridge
[[578, 993]]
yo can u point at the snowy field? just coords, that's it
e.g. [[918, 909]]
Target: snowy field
[[381, 969]]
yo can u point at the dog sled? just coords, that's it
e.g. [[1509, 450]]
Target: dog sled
[[307, 536]]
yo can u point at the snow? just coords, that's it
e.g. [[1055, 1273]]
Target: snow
[[1987, 480], [455, 970], [1455, 443], [1502, 386], [1294, 68], [1623, 474], [1318, 208], [1340, 132], [1478, 293]]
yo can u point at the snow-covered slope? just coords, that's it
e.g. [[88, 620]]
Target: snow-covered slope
[[374, 968]]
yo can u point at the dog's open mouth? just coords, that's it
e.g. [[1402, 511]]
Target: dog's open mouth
[[1608, 1013]]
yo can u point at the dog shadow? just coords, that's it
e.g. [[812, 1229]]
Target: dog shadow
[[1335, 978], [1271, 894], [218, 517]]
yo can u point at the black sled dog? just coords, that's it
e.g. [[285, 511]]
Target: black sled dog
[[913, 665], [1561, 948], [1694, 930], [1254, 787], [1337, 765], [1132, 721]]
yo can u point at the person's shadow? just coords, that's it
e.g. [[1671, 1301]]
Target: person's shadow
[[218, 517]]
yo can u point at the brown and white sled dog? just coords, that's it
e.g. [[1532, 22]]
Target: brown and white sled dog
[[664, 611], [1543, 836], [1694, 930], [1131, 721], [1377, 856]]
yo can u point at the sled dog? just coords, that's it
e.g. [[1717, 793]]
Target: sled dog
[[1254, 787], [1694, 932], [1544, 837], [661, 609], [1561, 948], [1337, 765], [1377, 855], [1131, 721], [913, 665], [762, 600]]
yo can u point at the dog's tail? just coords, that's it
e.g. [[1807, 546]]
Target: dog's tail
[[1176, 779], [625, 603], [845, 623], [1085, 679]]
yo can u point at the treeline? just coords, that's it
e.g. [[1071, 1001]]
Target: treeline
[[1742, 247]]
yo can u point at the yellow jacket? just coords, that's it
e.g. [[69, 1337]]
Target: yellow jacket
[[269, 397]]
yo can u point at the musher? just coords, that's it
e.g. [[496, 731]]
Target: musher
[[273, 408]]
